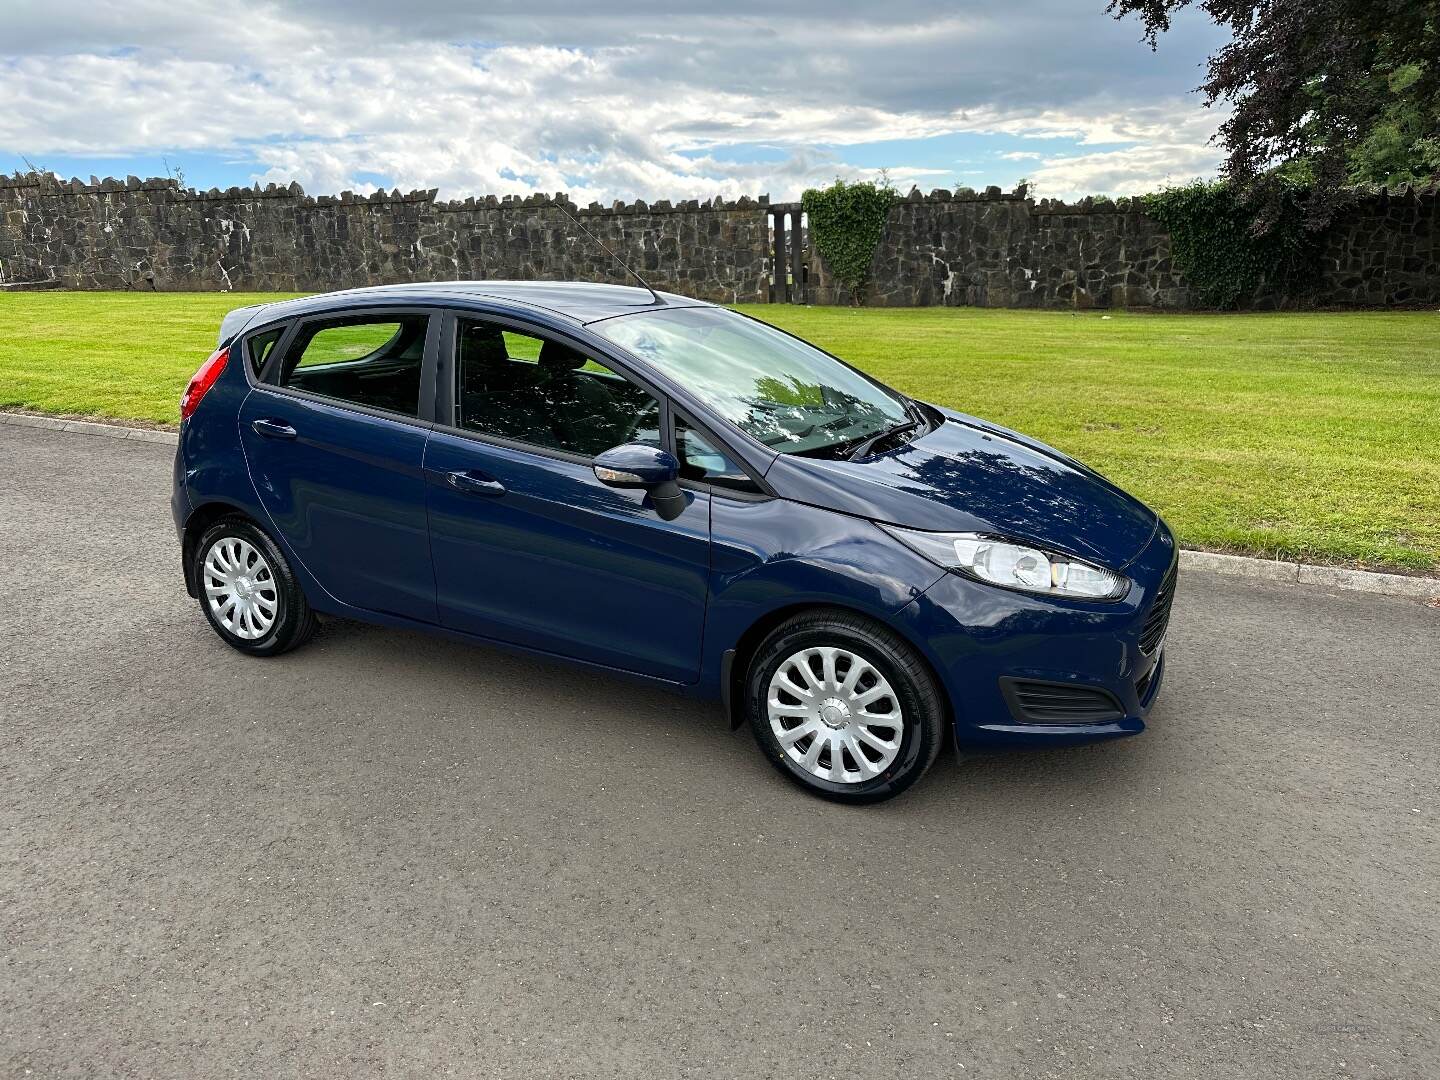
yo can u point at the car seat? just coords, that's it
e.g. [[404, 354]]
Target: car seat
[[583, 413], [499, 396]]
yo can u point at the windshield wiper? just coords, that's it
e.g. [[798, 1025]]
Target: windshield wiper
[[866, 444]]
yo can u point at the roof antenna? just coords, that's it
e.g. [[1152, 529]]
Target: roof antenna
[[633, 273]]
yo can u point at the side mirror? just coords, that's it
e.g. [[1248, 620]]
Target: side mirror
[[636, 465]]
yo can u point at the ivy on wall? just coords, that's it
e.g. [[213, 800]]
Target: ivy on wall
[[846, 223], [1215, 242]]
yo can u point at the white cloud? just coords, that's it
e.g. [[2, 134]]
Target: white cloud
[[1164, 153], [611, 104]]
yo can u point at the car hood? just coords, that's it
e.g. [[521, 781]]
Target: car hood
[[967, 475]]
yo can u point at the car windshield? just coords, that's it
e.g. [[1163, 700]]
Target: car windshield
[[789, 395]]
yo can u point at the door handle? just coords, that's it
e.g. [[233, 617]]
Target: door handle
[[475, 483], [273, 429]]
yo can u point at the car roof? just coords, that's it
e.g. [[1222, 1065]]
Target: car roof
[[579, 301]]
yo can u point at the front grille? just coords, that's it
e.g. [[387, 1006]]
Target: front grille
[[1158, 618], [1034, 702]]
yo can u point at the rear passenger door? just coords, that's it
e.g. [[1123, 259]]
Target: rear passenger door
[[529, 546], [334, 435]]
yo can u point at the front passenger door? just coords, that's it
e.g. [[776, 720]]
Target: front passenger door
[[529, 546]]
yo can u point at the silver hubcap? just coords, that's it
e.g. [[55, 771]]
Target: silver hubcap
[[835, 715], [240, 588]]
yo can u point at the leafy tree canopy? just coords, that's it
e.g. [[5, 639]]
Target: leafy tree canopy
[[1326, 92]]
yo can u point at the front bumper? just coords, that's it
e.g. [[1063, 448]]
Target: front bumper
[[985, 641]]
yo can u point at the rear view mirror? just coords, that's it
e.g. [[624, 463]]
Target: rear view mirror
[[636, 465]]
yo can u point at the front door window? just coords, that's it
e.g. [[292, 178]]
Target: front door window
[[546, 393]]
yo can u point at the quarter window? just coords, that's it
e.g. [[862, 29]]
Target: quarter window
[[260, 346], [369, 361], [703, 461], [544, 392]]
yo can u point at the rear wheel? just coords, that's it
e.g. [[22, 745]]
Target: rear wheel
[[844, 707], [247, 590]]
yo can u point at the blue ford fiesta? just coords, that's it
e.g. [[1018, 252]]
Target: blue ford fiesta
[[664, 488]]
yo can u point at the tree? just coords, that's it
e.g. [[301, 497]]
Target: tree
[[1328, 92]]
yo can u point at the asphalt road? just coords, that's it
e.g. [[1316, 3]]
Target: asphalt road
[[387, 854]]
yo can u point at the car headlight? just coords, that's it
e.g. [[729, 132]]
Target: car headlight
[[1014, 565]]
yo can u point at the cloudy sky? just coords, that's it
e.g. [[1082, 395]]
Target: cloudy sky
[[603, 101]]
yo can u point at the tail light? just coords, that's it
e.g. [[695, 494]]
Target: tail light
[[201, 381]]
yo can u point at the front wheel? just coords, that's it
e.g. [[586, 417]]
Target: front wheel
[[844, 707], [247, 590]]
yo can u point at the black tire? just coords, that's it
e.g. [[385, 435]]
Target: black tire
[[921, 704], [294, 621]]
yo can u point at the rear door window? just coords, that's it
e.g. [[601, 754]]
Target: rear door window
[[374, 361]]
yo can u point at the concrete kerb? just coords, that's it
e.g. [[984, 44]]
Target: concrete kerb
[[90, 427]]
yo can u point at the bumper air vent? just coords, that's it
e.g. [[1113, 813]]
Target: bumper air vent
[[1034, 702], [1158, 618]]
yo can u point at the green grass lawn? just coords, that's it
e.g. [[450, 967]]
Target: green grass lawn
[[1311, 436]]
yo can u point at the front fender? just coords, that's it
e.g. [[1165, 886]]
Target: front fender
[[770, 557]]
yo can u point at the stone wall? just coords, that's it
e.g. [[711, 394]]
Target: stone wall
[[1004, 250], [988, 249], [155, 234], [1385, 251]]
